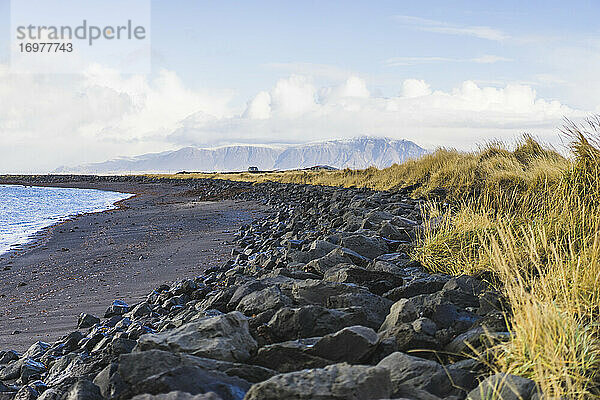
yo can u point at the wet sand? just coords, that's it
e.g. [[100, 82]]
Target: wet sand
[[162, 234]]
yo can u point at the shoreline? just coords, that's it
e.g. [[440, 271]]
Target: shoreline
[[319, 289], [31, 239], [160, 234]]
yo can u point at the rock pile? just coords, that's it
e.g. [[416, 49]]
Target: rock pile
[[319, 301]]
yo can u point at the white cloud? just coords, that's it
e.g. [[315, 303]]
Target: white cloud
[[259, 107], [461, 117], [48, 121], [353, 87], [415, 88], [293, 96], [430, 25]]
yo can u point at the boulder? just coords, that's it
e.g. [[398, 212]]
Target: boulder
[[83, 390], [250, 373], [193, 380], [141, 310], [352, 255], [330, 260], [465, 375], [290, 356], [353, 344], [217, 300], [466, 284], [433, 306], [31, 370], [319, 248], [504, 387], [408, 371], [8, 356], [338, 381], [404, 310], [406, 338], [72, 367], [223, 337], [36, 350], [156, 372], [242, 291], [24, 393], [369, 247], [390, 231], [311, 321], [377, 282], [377, 217], [117, 307], [426, 285], [186, 286], [176, 395], [87, 321], [406, 272], [425, 325], [313, 291], [376, 307], [266, 299]]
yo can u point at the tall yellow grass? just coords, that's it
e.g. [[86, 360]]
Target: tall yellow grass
[[529, 219], [538, 235]]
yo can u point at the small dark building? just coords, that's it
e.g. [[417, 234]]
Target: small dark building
[[252, 169]]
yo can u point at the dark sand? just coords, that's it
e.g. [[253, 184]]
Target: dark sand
[[161, 235]]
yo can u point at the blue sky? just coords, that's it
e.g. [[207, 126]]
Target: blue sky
[[439, 73], [233, 44], [236, 41]]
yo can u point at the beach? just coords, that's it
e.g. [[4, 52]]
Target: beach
[[162, 234], [316, 294]]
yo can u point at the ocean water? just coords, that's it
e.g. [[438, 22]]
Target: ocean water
[[24, 210]]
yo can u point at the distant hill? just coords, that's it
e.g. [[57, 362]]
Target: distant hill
[[361, 152]]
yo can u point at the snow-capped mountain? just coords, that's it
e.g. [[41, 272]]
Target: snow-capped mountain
[[353, 153]]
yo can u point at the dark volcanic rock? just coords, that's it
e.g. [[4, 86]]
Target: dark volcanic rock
[[157, 372], [310, 321], [87, 320], [375, 307], [266, 299], [313, 291], [8, 356], [376, 281], [339, 381], [83, 390], [223, 337], [353, 345], [366, 246], [290, 356], [504, 387], [176, 395], [408, 371], [118, 307]]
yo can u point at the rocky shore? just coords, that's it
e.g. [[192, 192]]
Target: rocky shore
[[319, 300]]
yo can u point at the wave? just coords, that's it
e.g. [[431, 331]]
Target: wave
[[25, 210]]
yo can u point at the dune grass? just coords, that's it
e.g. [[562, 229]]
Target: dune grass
[[535, 227], [528, 220]]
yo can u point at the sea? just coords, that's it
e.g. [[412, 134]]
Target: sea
[[25, 210]]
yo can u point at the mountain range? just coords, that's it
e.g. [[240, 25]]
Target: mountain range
[[360, 152]]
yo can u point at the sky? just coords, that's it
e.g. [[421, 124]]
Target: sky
[[273, 72]]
